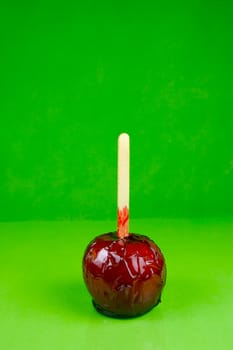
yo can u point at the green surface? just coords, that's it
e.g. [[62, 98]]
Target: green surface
[[44, 303], [74, 74]]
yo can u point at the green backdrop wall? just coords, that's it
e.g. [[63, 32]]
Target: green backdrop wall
[[76, 74]]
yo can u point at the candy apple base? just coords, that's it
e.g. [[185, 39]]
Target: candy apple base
[[116, 315]]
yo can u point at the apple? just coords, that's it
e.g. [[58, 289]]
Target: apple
[[125, 276]]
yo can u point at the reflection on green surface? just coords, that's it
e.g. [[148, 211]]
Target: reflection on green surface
[[44, 303]]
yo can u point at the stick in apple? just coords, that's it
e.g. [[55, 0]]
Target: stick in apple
[[123, 186]]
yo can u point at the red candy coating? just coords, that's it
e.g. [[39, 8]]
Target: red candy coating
[[125, 277], [123, 222]]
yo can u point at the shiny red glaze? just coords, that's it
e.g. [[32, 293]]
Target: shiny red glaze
[[125, 277]]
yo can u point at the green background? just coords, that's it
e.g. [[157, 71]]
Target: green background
[[76, 74], [73, 75]]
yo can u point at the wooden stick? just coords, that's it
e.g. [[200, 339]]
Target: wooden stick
[[123, 186]]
